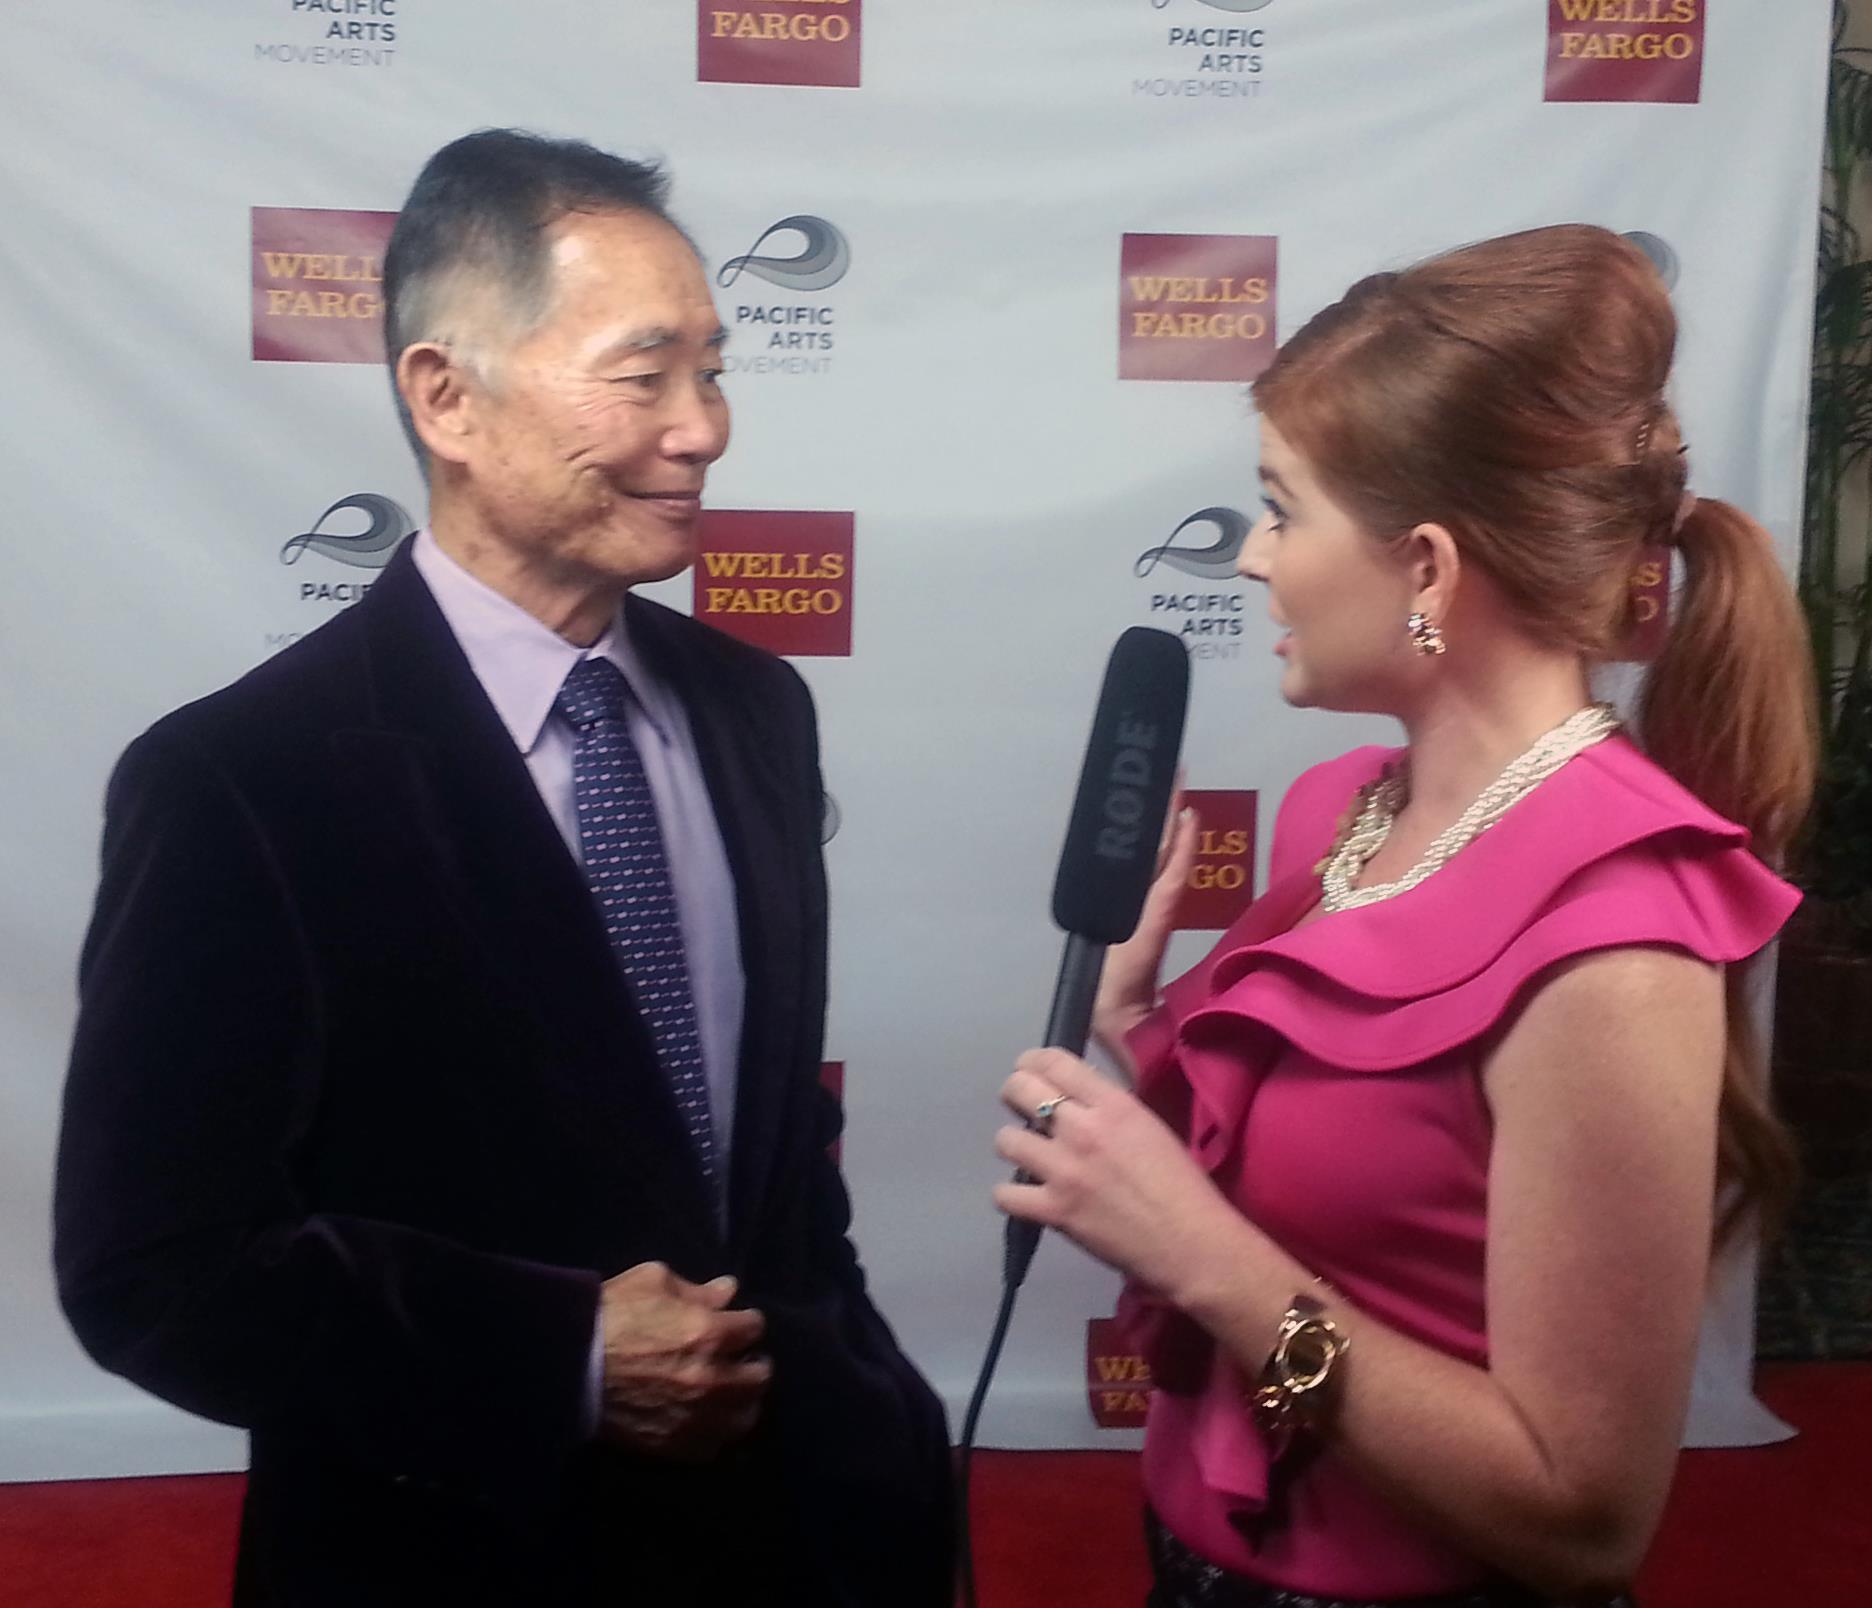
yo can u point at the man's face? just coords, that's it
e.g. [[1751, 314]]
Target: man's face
[[593, 432]]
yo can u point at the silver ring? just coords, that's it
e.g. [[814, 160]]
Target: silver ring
[[1043, 1112]]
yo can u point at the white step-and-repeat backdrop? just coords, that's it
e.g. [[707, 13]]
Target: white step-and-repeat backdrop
[[997, 273]]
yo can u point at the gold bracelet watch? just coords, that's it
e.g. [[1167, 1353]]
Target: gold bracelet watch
[[1291, 1389]]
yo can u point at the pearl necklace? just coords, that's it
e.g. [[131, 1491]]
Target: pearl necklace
[[1375, 809]]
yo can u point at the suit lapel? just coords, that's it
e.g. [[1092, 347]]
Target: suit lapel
[[446, 773], [759, 816]]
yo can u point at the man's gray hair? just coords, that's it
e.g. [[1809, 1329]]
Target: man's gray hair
[[472, 240]]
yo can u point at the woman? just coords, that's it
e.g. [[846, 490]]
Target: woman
[[1418, 1191]]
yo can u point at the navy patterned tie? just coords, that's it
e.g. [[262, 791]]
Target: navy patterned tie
[[629, 876]]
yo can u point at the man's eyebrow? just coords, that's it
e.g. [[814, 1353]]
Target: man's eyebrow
[[652, 338], [647, 339]]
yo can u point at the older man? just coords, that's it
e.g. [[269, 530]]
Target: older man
[[444, 1106]]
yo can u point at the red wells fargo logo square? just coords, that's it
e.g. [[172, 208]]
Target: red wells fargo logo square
[[1625, 50], [318, 285], [1118, 1379], [1195, 307], [1221, 882], [779, 42], [782, 581]]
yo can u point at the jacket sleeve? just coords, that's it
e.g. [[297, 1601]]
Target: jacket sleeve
[[188, 1257]]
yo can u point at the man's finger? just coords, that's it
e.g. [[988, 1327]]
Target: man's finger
[[735, 1331], [715, 1295], [748, 1377], [651, 1275]]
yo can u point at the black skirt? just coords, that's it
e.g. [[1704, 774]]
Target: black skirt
[[1182, 1579]]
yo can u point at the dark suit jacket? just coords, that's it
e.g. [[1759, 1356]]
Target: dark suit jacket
[[361, 1113]]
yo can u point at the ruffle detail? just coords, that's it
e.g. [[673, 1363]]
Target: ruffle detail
[[1606, 853]]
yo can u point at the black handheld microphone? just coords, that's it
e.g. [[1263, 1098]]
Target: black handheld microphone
[[1110, 855], [1105, 871]]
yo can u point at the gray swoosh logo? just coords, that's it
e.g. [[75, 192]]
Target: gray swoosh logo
[[1662, 253], [822, 261], [1216, 562], [386, 524], [1223, 5]]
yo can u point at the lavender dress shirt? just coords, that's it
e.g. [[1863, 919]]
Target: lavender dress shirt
[[521, 664]]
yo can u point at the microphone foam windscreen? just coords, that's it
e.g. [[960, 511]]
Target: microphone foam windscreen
[[1117, 821]]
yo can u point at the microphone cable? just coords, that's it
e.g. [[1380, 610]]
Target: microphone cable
[[965, 1451], [1105, 871]]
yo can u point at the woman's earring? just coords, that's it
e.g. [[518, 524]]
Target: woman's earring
[[1427, 638]]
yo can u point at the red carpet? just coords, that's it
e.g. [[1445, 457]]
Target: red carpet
[[1780, 1527]]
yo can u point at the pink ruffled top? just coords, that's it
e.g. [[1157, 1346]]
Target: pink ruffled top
[[1328, 1078]]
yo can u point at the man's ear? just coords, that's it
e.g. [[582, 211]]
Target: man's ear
[[435, 389], [1434, 569]]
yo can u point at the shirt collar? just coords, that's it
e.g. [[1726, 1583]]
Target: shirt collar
[[521, 662]]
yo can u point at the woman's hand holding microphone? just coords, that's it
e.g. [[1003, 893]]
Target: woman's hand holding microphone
[[1128, 986], [1104, 1169]]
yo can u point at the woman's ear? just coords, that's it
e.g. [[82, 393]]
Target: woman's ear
[[1433, 568]]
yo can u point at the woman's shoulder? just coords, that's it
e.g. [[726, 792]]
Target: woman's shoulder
[[1609, 852], [1612, 817]]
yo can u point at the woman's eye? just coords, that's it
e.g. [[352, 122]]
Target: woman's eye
[[1275, 512]]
